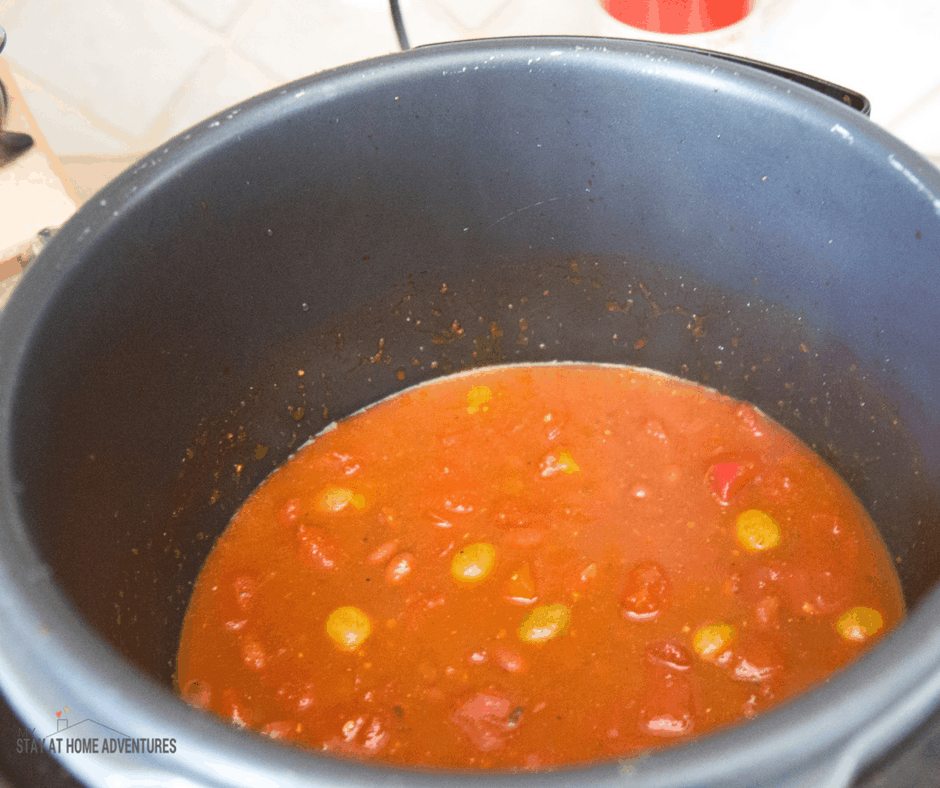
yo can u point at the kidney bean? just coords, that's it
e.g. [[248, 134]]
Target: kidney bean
[[383, 552], [667, 698], [767, 612], [357, 731], [290, 512], [253, 654], [235, 707], [317, 548], [399, 568], [197, 694], [670, 655], [245, 589], [645, 592], [294, 696], [282, 729], [235, 601], [509, 659], [757, 658]]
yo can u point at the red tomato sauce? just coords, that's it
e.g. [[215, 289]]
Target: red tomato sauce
[[533, 566]]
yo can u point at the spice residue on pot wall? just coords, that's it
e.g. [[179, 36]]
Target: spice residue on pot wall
[[166, 517]]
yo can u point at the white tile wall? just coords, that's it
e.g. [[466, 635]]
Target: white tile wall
[[68, 130], [291, 39], [218, 14], [890, 51], [920, 126], [123, 61], [111, 79], [224, 78]]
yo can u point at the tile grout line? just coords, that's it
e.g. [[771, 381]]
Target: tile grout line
[[94, 120], [489, 20], [224, 30]]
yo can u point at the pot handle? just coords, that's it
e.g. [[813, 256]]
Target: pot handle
[[855, 100]]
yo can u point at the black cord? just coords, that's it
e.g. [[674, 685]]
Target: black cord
[[399, 25]]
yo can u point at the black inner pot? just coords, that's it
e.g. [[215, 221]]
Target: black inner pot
[[464, 205], [136, 464]]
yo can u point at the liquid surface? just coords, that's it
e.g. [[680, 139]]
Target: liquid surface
[[524, 567]]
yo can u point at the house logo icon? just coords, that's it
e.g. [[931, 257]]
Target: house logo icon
[[84, 736], [88, 736]]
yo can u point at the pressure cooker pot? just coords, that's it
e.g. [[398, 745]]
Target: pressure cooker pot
[[391, 221]]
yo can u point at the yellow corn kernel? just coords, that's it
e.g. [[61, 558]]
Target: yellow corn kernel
[[563, 463], [566, 463], [859, 624], [335, 499], [712, 640], [757, 531], [348, 627], [477, 398], [473, 563], [544, 623]]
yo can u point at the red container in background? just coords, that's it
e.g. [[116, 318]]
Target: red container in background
[[678, 16]]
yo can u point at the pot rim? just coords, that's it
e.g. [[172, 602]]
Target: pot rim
[[836, 729]]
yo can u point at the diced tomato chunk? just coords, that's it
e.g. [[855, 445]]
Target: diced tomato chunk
[[520, 587], [487, 718], [728, 477]]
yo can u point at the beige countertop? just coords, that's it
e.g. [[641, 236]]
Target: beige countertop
[[34, 191]]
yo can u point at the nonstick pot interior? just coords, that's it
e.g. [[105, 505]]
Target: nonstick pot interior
[[318, 248]]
